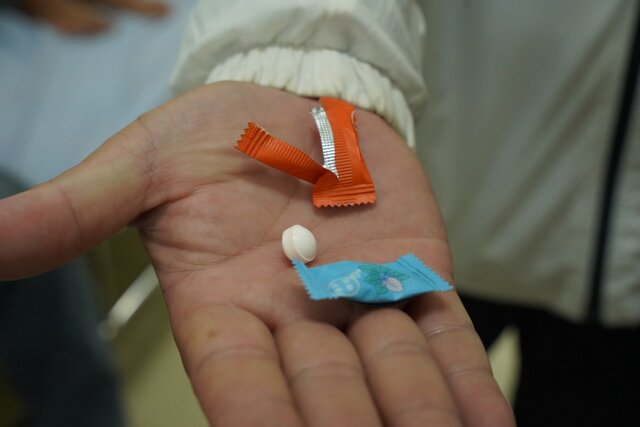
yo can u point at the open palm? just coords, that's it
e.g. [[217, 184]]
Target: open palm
[[257, 349]]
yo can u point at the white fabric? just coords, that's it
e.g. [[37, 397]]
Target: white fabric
[[367, 51], [515, 137], [519, 128]]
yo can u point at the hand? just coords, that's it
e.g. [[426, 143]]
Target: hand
[[81, 17], [257, 350]]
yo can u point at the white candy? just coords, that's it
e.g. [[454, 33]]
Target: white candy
[[299, 243]]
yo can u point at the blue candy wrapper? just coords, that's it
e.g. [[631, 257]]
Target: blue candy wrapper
[[370, 283]]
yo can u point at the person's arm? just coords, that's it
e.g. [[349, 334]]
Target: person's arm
[[370, 54], [80, 17], [257, 350]]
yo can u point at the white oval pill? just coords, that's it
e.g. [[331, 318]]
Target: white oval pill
[[299, 243]]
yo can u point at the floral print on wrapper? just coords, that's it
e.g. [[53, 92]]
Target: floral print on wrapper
[[370, 283]]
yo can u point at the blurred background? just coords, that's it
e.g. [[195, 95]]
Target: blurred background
[[61, 96]]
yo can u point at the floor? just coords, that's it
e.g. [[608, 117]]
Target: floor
[[155, 388]]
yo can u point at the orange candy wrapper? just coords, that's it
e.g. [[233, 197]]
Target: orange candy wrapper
[[351, 186]]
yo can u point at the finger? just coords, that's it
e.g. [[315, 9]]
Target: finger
[[58, 220], [68, 16], [145, 7], [325, 375], [234, 368], [460, 355], [403, 378]]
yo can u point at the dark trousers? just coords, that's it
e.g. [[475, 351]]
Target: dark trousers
[[50, 349], [571, 374]]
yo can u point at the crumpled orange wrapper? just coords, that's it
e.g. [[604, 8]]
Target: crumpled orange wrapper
[[353, 184]]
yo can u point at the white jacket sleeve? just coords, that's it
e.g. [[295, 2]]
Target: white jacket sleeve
[[368, 52]]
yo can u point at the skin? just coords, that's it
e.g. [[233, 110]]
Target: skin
[[84, 17], [258, 351]]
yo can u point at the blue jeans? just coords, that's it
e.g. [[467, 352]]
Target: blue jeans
[[50, 349]]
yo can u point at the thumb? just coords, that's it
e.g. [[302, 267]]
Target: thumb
[[53, 222]]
